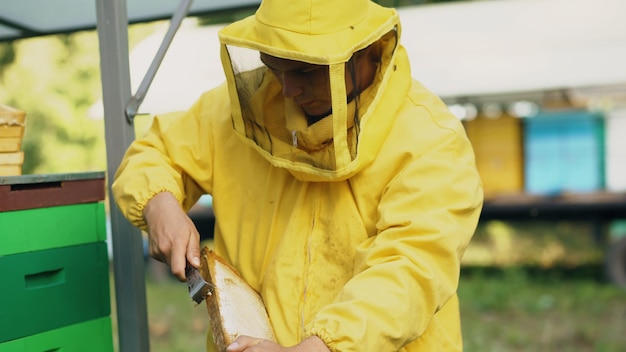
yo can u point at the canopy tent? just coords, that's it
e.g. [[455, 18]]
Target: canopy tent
[[459, 50], [487, 50], [27, 18]]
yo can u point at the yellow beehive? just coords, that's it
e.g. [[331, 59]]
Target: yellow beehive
[[499, 153], [12, 125]]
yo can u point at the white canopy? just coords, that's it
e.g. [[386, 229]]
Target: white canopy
[[459, 50], [24, 18], [509, 46]]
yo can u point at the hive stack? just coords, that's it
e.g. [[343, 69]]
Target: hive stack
[[12, 124], [54, 264]]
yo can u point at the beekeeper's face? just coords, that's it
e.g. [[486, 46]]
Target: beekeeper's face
[[309, 85]]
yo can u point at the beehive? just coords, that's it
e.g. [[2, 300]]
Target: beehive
[[564, 152], [55, 266], [497, 144]]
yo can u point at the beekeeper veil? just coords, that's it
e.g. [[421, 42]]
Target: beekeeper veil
[[320, 35]]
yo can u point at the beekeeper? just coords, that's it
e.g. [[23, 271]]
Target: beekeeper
[[344, 191]]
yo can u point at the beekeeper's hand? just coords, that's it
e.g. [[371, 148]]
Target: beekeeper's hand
[[173, 237]]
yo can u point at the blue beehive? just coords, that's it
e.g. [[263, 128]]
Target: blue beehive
[[564, 152]]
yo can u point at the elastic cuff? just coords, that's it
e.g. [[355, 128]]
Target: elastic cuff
[[325, 337], [137, 216]]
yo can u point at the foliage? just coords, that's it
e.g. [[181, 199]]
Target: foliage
[[7, 56], [56, 80], [541, 243]]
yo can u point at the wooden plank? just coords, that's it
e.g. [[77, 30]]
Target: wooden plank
[[14, 158], [10, 170], [11, 144], [12, 131]]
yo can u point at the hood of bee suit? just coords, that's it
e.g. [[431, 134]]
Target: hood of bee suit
[[318, 32]]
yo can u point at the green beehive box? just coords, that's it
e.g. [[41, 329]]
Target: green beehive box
[[93, 336], [49, 289], [52, 227]]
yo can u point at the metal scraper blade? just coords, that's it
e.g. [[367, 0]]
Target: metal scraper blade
[[198, 287]]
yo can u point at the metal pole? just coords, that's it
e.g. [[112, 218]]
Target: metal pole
[[140, 94], [128, 255]]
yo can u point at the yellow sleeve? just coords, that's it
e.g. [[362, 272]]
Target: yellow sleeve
[[172, 157]]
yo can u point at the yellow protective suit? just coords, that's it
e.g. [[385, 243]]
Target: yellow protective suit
[[353, 234]]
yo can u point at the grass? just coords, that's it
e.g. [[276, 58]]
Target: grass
[[513, 309], [175, 323], [516, 309], [534, 289]]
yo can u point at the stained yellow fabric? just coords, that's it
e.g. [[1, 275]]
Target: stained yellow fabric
[[393, 233], [367, 258]]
